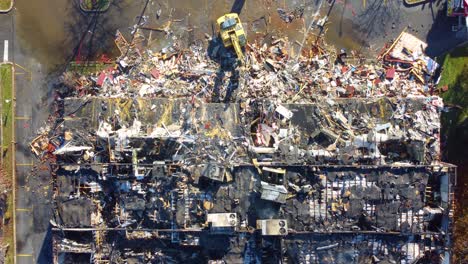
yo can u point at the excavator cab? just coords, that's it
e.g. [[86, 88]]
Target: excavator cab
[[232, 33]]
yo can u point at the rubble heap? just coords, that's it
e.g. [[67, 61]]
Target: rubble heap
[[269, 71]]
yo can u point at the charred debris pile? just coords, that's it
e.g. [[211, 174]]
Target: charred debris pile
[[309, 157]]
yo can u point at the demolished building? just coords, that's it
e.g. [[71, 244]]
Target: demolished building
[[296, 161]]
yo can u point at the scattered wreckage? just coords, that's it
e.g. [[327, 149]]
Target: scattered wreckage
[[272, 72], [169, 157]]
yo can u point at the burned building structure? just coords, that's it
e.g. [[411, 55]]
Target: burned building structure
[[186, 179], [216, 174]]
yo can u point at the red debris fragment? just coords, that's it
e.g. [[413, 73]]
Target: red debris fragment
[[390, 73], [350, 90], [338, 81], [101, 79], [155, 73], [51, 148]]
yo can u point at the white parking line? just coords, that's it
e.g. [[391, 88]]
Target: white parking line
[[5, 51]]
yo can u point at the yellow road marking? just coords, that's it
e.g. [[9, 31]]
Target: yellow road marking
[[24, 164], [23, 210], [21, 67], [22, 118], [26, 70], [24, 255]]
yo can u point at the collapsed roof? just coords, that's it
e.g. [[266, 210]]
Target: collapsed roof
[[170, 157]]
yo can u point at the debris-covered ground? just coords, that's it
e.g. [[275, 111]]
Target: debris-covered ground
[[271, 70], [292, 155]]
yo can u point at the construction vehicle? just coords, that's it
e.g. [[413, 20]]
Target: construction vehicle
[[232, 33]]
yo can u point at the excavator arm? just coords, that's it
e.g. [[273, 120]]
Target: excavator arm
[[237, 47]]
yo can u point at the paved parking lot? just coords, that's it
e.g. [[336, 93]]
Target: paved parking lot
[[32, 194]]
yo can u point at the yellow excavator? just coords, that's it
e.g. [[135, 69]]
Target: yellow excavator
[[232, 33]]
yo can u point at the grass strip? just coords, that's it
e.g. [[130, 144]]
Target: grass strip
[[454, 79], [5, 4], [6, 87]]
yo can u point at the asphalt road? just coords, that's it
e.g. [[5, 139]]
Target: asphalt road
[[32, 186], [6, 35], [380, 21]]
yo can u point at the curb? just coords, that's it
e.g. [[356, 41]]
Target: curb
[[101, 10], [8, 10], [13, 127]]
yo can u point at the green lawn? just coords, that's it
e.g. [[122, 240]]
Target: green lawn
[[455, 131], [455, 122], [5, 4], [455, 76], [7, 102], [6, 89]]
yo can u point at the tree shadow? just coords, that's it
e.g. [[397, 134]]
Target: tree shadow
[[432, 10], [91, 33], [371, 21], [340, 32], [83, 28]]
